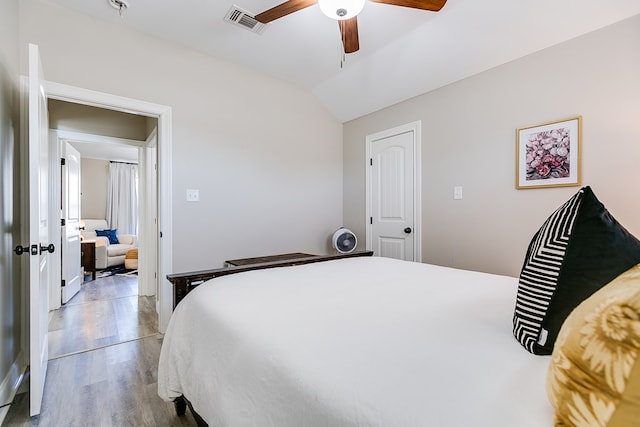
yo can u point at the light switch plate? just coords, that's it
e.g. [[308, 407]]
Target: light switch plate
[[457, 193], [193, 195]]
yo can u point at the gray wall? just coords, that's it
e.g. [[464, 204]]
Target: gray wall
[[468, 139], [97, 121], [94, 181], [265, 155], [10, 279], [66, 116]]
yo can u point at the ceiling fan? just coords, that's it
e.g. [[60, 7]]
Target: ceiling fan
[[345, 12]]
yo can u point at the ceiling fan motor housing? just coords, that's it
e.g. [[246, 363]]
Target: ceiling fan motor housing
[[341, 9]]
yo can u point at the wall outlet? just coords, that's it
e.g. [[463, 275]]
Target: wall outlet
[[193, 195]]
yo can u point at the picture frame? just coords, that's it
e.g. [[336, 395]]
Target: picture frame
[[548, 154]]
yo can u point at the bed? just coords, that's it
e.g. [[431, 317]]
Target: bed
[[361, 341], [351, 340]]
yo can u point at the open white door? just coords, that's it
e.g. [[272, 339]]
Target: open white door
[[71, 265], [38, 230]]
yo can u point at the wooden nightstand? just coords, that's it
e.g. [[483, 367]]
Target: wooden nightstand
[[88, 253]]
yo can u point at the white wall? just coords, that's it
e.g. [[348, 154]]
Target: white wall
[[265, 155], [468, 139], [10, 272]]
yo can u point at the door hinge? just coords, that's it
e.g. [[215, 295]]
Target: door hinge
[[370, 220], [64, 283], [63, 222], [371, 161], [161, 234], [63, 161]]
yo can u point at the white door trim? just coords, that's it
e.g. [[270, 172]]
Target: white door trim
[[148, 214], [165, 219], [98, 139], [415, 128]]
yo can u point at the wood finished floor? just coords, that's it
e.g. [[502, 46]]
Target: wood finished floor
[[106, 311], [104, 351]]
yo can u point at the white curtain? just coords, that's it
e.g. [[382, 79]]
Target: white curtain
[[122, 198]]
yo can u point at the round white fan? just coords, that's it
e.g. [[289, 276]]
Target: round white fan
[[344, 241]]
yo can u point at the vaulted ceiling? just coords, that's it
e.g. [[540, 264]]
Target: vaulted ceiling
[[403, 52]]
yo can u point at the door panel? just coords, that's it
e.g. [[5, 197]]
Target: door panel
[[71, 258], [391, 180], [391, 247], [38, 165]]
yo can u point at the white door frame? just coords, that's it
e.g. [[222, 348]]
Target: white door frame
[[147, 217], [415, 128], [165, 220]]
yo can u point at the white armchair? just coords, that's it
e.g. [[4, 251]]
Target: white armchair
[[107, 254]]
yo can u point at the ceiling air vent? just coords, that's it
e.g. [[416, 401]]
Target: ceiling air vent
[[244, 19]]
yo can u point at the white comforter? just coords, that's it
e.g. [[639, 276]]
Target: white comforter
[[355, 342]]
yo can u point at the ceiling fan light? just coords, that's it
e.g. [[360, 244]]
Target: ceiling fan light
[[341, 9]]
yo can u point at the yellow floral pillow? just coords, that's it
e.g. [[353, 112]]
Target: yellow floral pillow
[[594, 375]]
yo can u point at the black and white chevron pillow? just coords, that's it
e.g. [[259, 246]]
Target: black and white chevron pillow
[[578, 249]]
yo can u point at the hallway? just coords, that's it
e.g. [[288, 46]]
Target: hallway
[[103, 362]]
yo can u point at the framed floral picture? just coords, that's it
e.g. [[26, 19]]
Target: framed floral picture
[[548, 154]]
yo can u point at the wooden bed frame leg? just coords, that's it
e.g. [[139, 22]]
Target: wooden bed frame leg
[[181, 405], [200, 422]]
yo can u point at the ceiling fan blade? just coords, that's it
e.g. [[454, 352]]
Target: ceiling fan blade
[[432, 5], [283, 10], [349, 33]]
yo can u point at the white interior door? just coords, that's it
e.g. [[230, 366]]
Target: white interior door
[[392, 194], [71, 265], [38, 230]]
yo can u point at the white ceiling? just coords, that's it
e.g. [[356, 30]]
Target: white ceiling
[[105, 151], [403, 52]]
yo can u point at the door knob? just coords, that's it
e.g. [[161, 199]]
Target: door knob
[[49, 248], [19, 250], [29, 250], [407, 230]]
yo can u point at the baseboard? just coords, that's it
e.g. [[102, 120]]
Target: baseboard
[[10, 384]]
